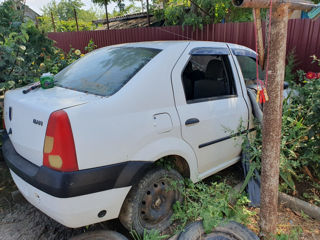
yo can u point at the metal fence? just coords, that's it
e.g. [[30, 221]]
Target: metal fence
[[303, 37]]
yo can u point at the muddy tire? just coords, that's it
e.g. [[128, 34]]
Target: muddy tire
[[100, 235], [148, 205]]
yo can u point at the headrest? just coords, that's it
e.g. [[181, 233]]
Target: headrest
[[214, 69]]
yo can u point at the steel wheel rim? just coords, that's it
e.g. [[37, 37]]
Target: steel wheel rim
[[156, 203]]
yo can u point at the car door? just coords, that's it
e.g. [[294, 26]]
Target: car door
[[210, 104]]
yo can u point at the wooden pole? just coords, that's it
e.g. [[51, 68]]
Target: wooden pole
[[272, 112], [305, 5], [257, 15], [107, 17], [148, 17], [272, 122], [53, 24], [76, 18]]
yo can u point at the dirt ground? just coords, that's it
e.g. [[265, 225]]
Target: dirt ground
[[20, 220]]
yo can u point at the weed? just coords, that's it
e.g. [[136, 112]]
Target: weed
[[213, 204], [293, 235], [148, 235]]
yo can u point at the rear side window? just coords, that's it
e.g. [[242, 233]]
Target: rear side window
[[105, 71], [208, 77], [249, 70]]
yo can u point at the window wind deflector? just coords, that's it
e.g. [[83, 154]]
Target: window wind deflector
[[209, 51], [243, 52]]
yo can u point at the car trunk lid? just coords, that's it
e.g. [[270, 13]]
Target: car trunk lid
[[26, 116]]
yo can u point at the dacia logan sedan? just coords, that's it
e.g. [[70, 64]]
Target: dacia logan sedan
[[95, 146]]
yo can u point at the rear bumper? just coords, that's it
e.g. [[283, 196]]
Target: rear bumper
[[72, 184], [76, 211]]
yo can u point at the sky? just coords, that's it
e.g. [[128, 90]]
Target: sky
[[36, 5]]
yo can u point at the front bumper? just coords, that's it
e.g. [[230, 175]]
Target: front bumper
[[72, 184]]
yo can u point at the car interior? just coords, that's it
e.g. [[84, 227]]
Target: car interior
[[207, 77]]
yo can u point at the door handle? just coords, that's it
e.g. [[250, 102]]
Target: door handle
[[192, 121]]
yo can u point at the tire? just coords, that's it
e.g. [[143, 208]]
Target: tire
[[148, 205], [232, 231], [229, 231], [193, 231], [100, 235]]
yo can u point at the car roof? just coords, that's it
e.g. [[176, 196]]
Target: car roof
[[165, 44]]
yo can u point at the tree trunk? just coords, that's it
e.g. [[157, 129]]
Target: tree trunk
[[148, 17], [272, 121], [107, 17]]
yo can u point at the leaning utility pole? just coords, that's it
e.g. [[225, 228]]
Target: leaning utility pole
[[272, 111]]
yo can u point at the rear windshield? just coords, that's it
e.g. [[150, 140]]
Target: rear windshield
[[105, 71]]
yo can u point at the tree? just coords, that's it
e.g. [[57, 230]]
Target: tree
[[64, 10], [200, 12], [63, 13], [105, 4]]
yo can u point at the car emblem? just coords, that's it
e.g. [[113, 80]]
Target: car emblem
[[37, 122]]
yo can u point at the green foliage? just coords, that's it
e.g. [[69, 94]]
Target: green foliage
[[91, 46], [64, 10], [214, 204], [290, 74], [64, 18], [21, 46], [197, 13], [25, 52], [294, 234], [128, 9], [45, 25]]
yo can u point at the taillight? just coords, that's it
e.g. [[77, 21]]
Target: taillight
[[59, 152]]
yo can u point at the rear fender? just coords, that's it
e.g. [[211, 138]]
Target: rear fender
[[166, 147]]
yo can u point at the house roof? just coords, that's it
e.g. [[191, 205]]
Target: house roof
[[127, 21]]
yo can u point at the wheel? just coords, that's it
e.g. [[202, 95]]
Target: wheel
[[100, 235], [149, 203]]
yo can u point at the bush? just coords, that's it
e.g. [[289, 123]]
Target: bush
[[26, 52], [22, 48]]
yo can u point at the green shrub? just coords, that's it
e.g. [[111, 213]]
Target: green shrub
[[214, 204], [22, 48], [290, 74], [26, 52]]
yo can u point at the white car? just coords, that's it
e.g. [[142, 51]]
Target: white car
[[94, 147]]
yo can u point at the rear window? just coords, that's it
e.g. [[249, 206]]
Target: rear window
[[105, 71], [249, 70]]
